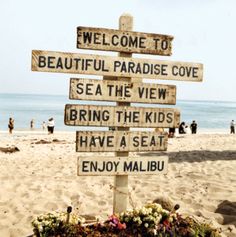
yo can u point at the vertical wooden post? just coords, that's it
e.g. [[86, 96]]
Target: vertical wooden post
[[120, 194]]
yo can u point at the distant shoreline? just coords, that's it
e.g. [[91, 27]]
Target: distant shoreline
[[66, 96], [43, 132]]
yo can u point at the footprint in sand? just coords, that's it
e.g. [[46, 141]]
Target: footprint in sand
[[137, 182], [51, 206], [89, 193], [37, 189], [142, 195], [58, 192], [184, 190], [216, 189], [102, 203], [187, 200], [197, 206], [3, 204], [196, 176], [75, 197], [25, 195], [16, 232]]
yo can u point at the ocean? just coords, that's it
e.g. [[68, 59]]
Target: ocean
[[209, 115]]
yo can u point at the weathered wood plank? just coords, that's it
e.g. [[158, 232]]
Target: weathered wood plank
[[121, 116], [122, 165], [60, 62], [120, 141], [121, 191], [104, 90], [123, 41]]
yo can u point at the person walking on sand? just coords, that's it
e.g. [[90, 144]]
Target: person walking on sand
[[193, 127], [232, 127], [44, 125], [32, 124], [181, 128], [51, 125], [11, 125]]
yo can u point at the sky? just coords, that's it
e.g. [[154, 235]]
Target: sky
[[204, 32]]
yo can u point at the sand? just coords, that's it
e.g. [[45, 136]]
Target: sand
[[42, 177]]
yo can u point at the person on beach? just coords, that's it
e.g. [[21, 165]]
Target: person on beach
[[51, 125], [182, 128], [44, 125], [171, 132], [11, 125], [232, 127], [32, 124], [193, 127]]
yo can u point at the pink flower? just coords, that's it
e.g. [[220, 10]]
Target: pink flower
[[121, 226], [112, 224]]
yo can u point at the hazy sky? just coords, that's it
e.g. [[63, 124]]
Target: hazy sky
[[204, 31]]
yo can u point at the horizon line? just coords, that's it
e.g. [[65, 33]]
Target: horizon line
[[38, 94]]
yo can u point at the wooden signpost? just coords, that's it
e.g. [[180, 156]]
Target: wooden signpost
[[118, 91], [123, 41], [51, 61], [122, 83], [120, 141], [121, 191], [122, 165], [125, 116]]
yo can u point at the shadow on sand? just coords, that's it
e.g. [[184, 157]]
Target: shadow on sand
[[194, 156], [226, 208]]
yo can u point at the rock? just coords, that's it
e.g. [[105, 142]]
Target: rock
[[9, 149], [165, 202], [228, 210]]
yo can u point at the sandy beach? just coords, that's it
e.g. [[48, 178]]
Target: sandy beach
[[41, 177]]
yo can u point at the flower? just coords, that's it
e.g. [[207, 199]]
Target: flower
[[146, 225], [50, 223], [150, 220], [114, 221], [121, 226]]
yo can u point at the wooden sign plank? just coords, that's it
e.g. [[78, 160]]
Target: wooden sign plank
[[100, 90], [51, 61], [123, 41], [120, 141], [122, 165], [121, 116]]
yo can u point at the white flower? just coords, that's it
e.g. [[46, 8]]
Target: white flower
[[149, 210], [146, 225], [158, 219]]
